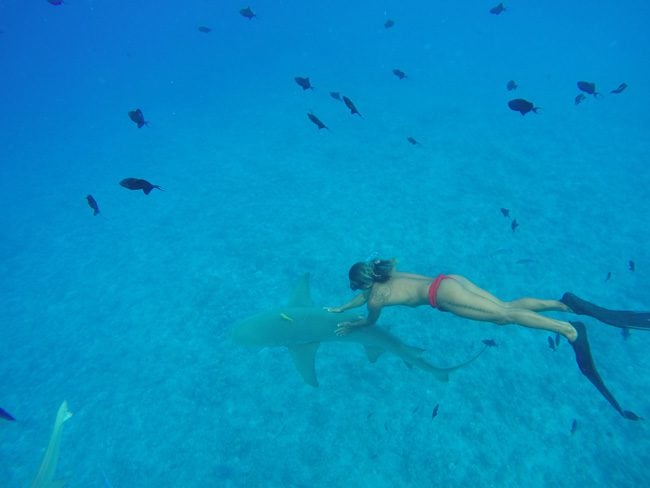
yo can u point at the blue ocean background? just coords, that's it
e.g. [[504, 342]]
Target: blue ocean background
[[128, 315]]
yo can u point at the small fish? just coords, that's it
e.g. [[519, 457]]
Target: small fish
[[93, 204], [204, 29], [304, 83], [511, 85], [620, 88], [412, 140], [574, 426], [557, 339], [284, 316], [625, 332], [489, 342], [498, 9], [588, 87], [248, 13], [578, 99], [138, 184], [399, 73], [505, 212], [335, 95], [609, 275], [522, 106], [631, 265], [551, 343], [137, 117], [350, 105], [317, 121], [55, 2], [6, 415], [389, 23], [434, 413], [514, 225]]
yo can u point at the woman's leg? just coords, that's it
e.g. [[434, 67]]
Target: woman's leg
[[458, 297], [534, 304]]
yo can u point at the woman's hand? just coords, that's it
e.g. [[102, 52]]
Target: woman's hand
[[334, 309], [344, 328]]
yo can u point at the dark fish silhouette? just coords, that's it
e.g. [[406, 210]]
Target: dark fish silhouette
[[317, 121], [609, 275], [204, 29], [304, 83], [505, 212], [578, 99], [631, 265], [625, 332], [588, 87], [551, 343], [6, 415], [498, 9], [574, 426], [389, 23], [137, 117], [350, 105], [138, 184], [248, 13], [522, 106], [335, 95], [511, 85], [55, 2], [399, 73], [93, 204], [412, 140], [620, 88], [489, 342], [514, 225], [557, 339], [435, 411]]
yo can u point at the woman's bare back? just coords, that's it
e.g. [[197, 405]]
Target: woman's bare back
[[407, 289]]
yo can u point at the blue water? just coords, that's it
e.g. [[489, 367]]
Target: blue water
[[127, 315]]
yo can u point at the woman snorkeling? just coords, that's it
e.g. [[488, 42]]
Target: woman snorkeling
[[382, 286]]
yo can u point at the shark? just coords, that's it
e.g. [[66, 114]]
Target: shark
[[301, 327], [45, 476]]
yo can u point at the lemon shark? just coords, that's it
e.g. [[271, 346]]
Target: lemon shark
[[301, 327]]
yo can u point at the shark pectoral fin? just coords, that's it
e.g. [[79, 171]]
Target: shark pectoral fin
[[373, 353], [304, 358]]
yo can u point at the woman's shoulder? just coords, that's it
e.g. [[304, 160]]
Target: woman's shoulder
[[411, 276]]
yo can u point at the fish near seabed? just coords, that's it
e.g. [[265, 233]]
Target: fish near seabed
[[317, 121], [92, 203], [300, 326], [335, 95], [138, 117], [247, 12], [47, 470], [138, 184], [589, 88], [304, 83], [412, 140], [389, 23], [399, 73], [522, 106], [55, 2], [350, 105], [497, 9], [204, 29], [620, 88], [6, 415], [511, 85], [579, 99]]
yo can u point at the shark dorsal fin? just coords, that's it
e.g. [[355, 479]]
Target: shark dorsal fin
[[304, 358], [301, 296]]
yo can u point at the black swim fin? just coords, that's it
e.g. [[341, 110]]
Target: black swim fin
[[618, 318], [588, 368]]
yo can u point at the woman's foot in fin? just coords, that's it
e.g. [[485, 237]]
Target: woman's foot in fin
[[586, 364]]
